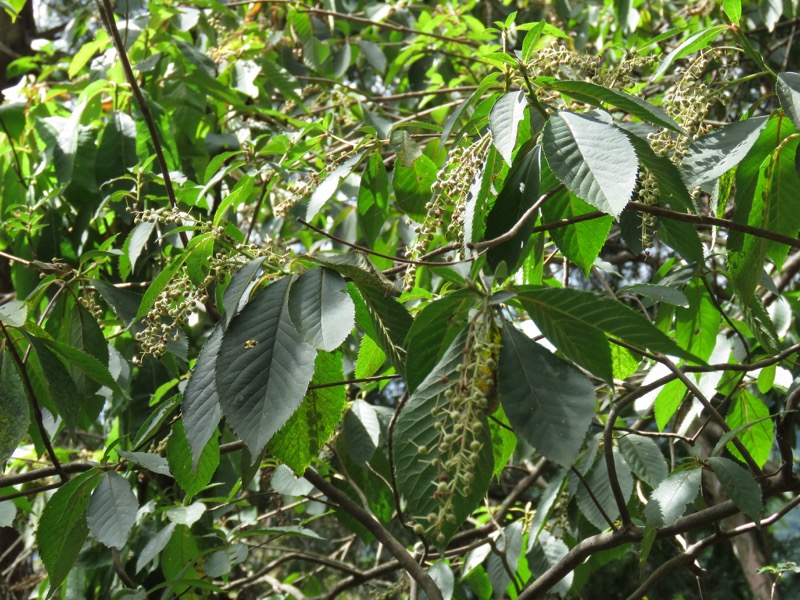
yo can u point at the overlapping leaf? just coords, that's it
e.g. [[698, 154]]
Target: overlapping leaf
[[263, 367], [548, 402], [320, 308]]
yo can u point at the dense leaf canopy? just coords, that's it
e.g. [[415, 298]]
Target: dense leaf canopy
[[439, 299]]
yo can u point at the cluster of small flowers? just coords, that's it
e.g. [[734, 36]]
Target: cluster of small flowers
[[166, 214], [450, 191], [460, 421], [648, 194], [560, 61], [88, 299], [170, 312], [622, 75], [294, 193]]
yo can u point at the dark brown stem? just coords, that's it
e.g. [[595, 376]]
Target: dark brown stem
[[382, 534], [379, 254], [107, 13]]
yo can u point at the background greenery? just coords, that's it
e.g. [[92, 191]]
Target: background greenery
[[434, 299]]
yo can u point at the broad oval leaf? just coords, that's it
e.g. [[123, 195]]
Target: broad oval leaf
[[321, 309], [758, 438], [595, 160], [716, 153], [112, 511], [644, 458], [62, 526], [362, 431], [191, 476], [263, 367], [548, 402], [14, 412], [504, 120], [668, 501], [200, 405], [412, 186], [598, 482], [789, 94], [739, 485]]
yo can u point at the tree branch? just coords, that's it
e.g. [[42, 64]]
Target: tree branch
[[379, 531]]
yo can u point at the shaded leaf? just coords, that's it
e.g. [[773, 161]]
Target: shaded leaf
[[320, 308], [62, 527], [598, 481], [190, 476], [200, 405], [325, 190], [644, 458], [788, 89], [548, 402], [14, 413], [739, 485], [112, 510], [263, 367]]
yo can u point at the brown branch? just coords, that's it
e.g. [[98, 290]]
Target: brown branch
[[389, 26], [379, 254], [509, 235], [107, 13], [379, 531], [714, 221], [119, 569]]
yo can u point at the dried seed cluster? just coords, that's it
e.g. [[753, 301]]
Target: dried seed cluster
[[460, 421]]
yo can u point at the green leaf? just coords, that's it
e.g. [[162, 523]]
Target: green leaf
[[598, 481], [330, 184], [299, 442], [54, 385], [370, 358], [434, 329], [112, 511], [644, 458], [404, 145], [668, 402], [14, 413], [520, 191], [757, 439], [596, 95], [85, 334], [657, 293], [14, 313], [788, 89], [672, 189], [564, 315], [190, 476], [154, 546], [714, 154], [668, 501], [507, 113], [417, 445], [582, 242], [547, 552], [739, 486], [62, 527], [263, 367], [159, 283], [152, 462], [733, 8], [357, 267], [548, 402], [200, 406], [693, 43], [320, 308], [234, 300], [362, 431], [239, 195], [179, 555], [283, 81], [413, 186], [594, 159], [683, 238], [373, 198], [697, 326]]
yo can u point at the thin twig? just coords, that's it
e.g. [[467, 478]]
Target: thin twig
[[379, 531], [379, 254], [107, 12]]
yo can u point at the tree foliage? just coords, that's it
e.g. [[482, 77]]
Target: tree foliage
[[456, 298]]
